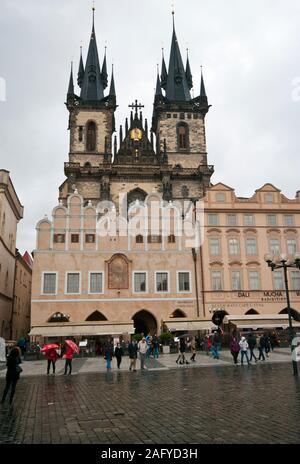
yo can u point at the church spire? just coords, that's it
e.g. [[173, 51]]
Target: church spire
[[202, 87], [177, 86], [80, 74], [164, 74], [188, 74], [71, 83], [92, 87], [158, 92], [104, 75], [112, 90]]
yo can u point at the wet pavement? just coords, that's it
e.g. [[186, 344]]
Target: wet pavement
[[218, 403]]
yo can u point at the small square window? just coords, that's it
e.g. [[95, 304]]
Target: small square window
[[269, 197], [213, 220], [169, 115], [181, 116], [271, 219], [189, 116], [220, 197], [195, 116], [171, 238], [175, 115], [90, 238], [74, 238], [231, 219], [288, 220], [59, 238]]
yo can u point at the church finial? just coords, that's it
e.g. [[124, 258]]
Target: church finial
[[158, 92], [71, 82], [173, 17], [188, 73], [80, 74], [112, 90], [94, 9], [104, 75], [164, 74], [202, 88]]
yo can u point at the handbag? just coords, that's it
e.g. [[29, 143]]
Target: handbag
[[19, 369]]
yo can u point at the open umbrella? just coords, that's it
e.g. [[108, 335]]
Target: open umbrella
[[51, 346], [72, 345]]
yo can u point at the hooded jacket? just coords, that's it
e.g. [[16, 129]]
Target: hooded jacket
[[243, 344]]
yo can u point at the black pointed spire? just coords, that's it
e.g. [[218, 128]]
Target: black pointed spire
[[80, 74], [71, 83], [158, 92], [92, 87], [188, 74], [177, 86], [202, 87], [104, 75], [112, 90], [164, 74]]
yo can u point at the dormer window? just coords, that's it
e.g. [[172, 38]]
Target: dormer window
[[91, 136]]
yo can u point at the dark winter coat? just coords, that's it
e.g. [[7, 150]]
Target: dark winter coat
[[132, 350]]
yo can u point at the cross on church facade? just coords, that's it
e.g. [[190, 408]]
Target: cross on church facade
[[136, 106]]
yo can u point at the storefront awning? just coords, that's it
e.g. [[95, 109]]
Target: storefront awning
[[188, 325], [84, 329], [260, 321]]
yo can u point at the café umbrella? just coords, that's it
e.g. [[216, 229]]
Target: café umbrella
[[51, 346], [72, 345]]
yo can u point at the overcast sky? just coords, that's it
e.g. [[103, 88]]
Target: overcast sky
[[250, 52]]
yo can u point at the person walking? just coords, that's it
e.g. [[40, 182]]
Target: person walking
[[108, 354], [155, 344], [12, 374], [143, 348], [51, 356], [68, 356], [216, 343], [252, 344], [132, 352], [193, 349], [182, 347], [234, 349], [261, 345], [118, 354], [244, 350]]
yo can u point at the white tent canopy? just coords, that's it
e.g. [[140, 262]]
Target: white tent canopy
[[183, 323], [82, 329], [260, 321]]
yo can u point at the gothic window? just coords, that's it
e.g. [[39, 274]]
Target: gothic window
[[80, 133], [171, 238], [91, 136], [139, 239], [183, 136]]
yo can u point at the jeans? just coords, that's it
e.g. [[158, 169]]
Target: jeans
[[68, 365], [252, 355], [244, 353], [108, 363], [261, 353], [49, 364], [12, 383], [156, 352], [215, 352]]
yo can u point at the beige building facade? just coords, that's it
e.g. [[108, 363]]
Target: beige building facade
[[22, 297], [11, 212]]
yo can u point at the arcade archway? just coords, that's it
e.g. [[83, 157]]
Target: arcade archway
[[145, 323]]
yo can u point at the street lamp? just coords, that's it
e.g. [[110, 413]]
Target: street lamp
[[284, 263]]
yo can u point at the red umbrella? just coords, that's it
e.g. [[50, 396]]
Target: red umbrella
[[72, 345], [50, 347]]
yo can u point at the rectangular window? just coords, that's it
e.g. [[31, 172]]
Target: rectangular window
[[274, 246], [251, 246], [89, 238], [73, 281], [278, 280], [234, 246], [140, 282], [49, 284], [271, 219], [96, 282], [269, 197], [74, 238], [214, 246], [291, 246], [236, 282], [231, 219], [154, 238], [171, 238], [220, 197], [295, 279], [59, 238], [254, 280], [248, 220], [183, 281], [288, 220], [161, 281], [216, 280], [213, 219]]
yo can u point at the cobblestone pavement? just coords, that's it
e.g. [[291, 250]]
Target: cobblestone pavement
[[216, 404]]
